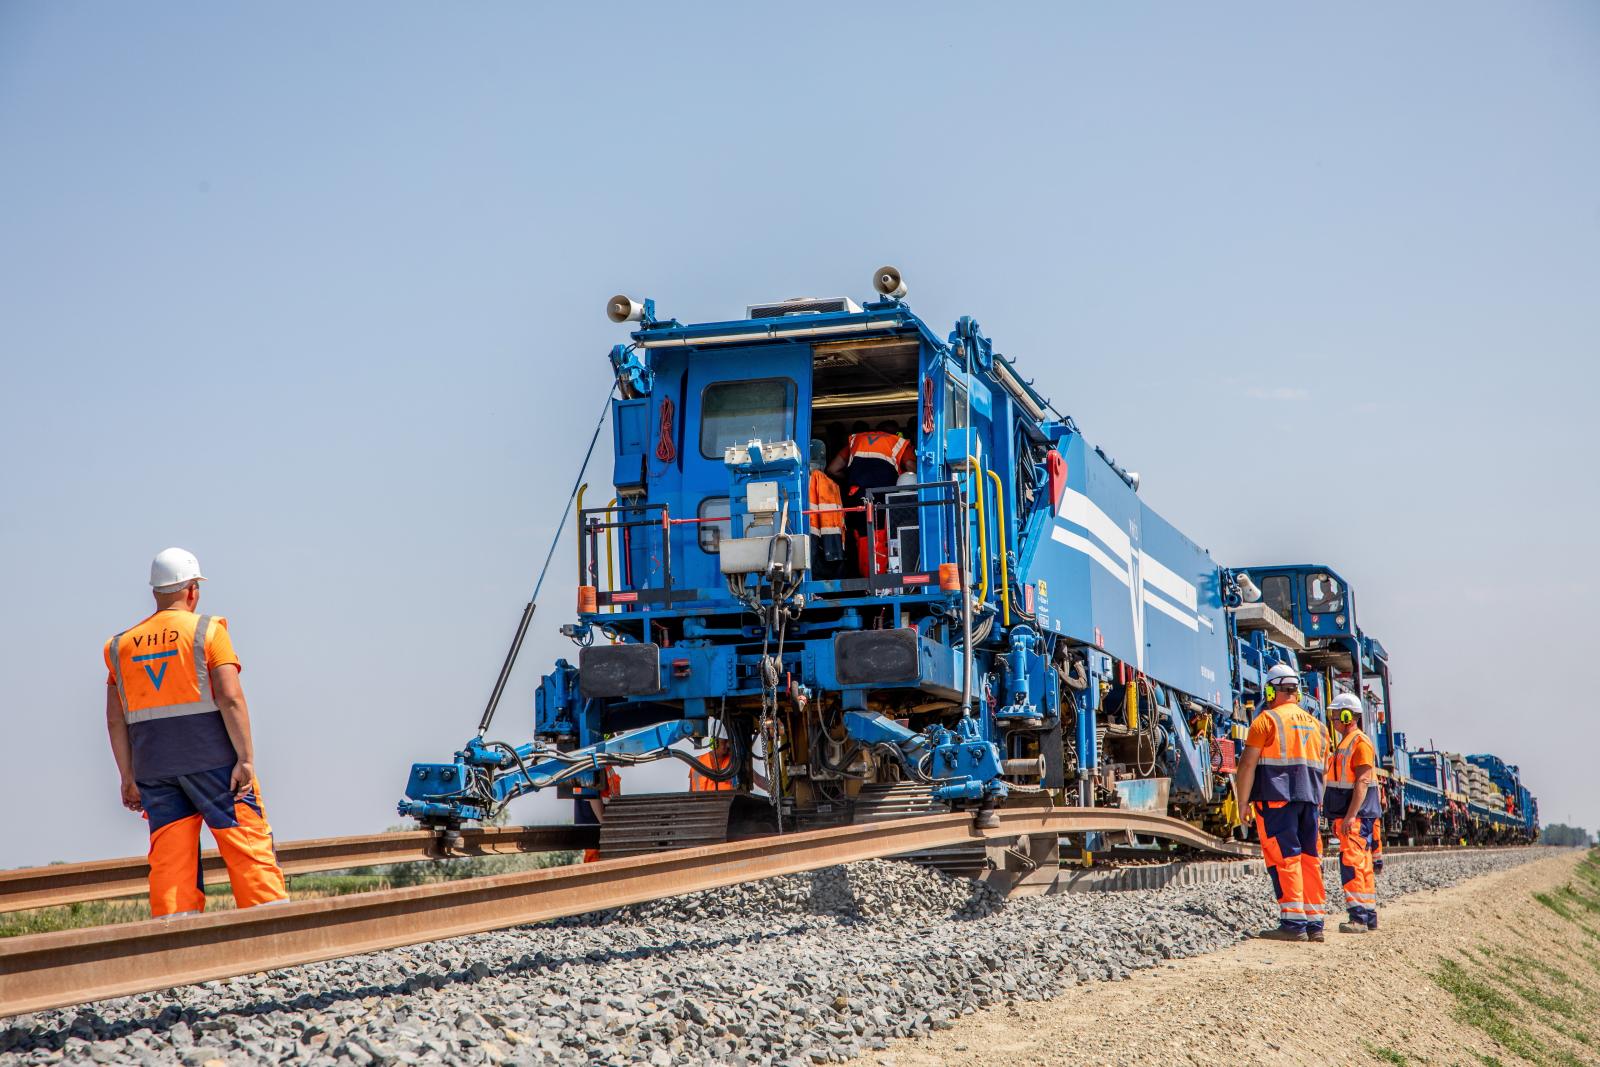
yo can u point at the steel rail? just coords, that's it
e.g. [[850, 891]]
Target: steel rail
[[67, 883], [68, 967]]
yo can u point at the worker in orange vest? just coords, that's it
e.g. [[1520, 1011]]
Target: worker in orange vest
[[1377, 834], [1352, 804], [719, 759], [871, 460], [610, 786], [827, 520], [1280, 779], [180, 735]]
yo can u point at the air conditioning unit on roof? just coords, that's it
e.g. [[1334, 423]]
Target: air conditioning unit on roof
[[803, 305]]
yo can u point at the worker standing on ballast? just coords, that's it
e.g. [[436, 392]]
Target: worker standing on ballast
[[1280, 779], [180, 733], [1352, 805]]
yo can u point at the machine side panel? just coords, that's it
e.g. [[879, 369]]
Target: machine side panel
[[1113, 573], [1181, 595]]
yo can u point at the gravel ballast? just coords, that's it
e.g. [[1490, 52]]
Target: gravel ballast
[[811, 968]]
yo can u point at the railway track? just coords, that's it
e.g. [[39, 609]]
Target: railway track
[[77, 966], [68, 883]]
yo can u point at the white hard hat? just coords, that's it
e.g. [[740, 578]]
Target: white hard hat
[[174, 568], [1345, 702], [1282, 676]]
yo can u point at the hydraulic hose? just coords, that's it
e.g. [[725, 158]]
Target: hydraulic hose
[[1003, 539], [966, 613]]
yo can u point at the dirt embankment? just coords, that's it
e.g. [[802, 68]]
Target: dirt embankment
[[1502, 969]]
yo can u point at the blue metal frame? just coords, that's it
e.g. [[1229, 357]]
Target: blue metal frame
[[1100, 630]]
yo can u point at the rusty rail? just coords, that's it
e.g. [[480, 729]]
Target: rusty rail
[[66, 883], [54, 970]]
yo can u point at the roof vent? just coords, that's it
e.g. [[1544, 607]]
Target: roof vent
[[803, 305]]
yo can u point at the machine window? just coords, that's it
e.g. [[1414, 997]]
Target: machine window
[[1275, 592], [955, 416], [733, 413], [1324, 594], [712, 533]]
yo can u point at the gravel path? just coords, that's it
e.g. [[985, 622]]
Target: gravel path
[[805, 969], [1368, 999]]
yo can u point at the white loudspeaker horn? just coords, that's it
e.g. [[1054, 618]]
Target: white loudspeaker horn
[[623, 308], [888, 282]]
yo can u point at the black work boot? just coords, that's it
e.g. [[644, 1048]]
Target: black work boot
[[1315, 934], [1282, 933], [1352, 928]]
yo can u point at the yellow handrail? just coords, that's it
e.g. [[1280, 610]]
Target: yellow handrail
[[577, 520], [983, 534], [1000, 528]]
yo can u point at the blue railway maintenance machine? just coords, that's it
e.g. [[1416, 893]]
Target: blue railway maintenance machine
[[1005, 620]]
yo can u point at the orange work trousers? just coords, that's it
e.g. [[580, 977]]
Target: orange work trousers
[[1292, 847], [1355, 868], [176, 806]]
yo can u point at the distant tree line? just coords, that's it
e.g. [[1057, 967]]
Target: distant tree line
[[1562, 834]]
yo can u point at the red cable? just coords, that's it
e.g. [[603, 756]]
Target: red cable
[[665, 451]]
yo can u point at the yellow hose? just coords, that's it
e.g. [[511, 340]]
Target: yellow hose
[[983, 535], [1000, 529]]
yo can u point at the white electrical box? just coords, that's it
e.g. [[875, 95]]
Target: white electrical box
[[761, 498], [760, 555]]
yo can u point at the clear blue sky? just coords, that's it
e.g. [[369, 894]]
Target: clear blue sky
[[316, 291]]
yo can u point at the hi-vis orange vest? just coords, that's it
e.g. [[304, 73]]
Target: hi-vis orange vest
[[699, 783], [1354, 750], [874, 459], [161, 669], [824, 494], [1293, 760]]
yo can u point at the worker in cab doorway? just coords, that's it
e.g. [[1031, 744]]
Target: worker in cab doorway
[[827, 520], [180, 733], [591, 810], [871, 459], [1352, 805], [1280, 780]]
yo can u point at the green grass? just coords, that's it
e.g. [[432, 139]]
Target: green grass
[[1507, 995], [1388, 1055], [1480, 1005]]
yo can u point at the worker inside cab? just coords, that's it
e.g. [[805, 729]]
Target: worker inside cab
[[827, 521], [870, 459]]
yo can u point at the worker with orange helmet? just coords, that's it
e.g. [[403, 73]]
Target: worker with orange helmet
[[1280, 779], [180, 735], [1352, 804]]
